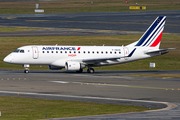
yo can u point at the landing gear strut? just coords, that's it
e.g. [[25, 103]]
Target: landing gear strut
[[90, 70], [26, 69], [80, 71]]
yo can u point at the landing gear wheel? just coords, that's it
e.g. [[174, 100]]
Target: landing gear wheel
[[26, 66], [90, 70], [80, 71], [26, 71]]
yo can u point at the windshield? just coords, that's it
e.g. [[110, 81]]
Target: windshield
[[19, 51]]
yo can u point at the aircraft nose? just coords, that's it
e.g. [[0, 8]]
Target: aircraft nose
[[8, 59]]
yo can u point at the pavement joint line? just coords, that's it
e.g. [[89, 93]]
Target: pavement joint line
[[90, 22], [90, 30], [99, 84]]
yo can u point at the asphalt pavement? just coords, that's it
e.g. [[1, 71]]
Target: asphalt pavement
[[100, 23]]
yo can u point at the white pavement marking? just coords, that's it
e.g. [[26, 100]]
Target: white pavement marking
[[60, 82], [64, 82]]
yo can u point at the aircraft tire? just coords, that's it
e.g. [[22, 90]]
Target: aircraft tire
[[90, 70], [26, 71]]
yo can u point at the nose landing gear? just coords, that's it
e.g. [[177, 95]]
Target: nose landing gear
[[26, 68]]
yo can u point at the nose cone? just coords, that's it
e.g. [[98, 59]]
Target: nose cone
[[8, 59]]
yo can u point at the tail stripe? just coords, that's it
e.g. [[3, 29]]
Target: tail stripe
[[157, 34], [154, 30], [156, 42], [160, 26], [146, 34]]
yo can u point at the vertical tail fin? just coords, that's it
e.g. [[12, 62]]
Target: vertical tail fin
[[152, 36]]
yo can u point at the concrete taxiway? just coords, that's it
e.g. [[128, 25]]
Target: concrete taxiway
[[113, 87]]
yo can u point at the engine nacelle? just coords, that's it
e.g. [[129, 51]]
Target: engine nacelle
[[74, 66], [54, 67]]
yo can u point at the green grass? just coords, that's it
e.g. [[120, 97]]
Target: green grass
[[12, 29], [79, 6], [17, 108], [169, 61]]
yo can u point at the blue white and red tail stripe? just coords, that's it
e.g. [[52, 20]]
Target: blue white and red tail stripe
[[152, 36]]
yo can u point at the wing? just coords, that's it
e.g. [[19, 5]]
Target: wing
[[100, 59]]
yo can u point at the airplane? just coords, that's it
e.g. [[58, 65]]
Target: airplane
[[76, 58]]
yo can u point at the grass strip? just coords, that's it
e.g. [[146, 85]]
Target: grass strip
[[18, 108], [79, 6], [13, 29], [169, 61]]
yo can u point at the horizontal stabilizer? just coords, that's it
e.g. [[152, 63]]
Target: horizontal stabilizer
[[160, 51]]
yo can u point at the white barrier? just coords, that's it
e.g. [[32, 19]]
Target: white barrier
[[152, 65], [39, 10]]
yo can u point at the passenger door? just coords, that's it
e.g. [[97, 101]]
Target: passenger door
[[35, 52], [126, 53]]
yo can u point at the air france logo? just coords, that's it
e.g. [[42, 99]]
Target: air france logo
[[60, 48]]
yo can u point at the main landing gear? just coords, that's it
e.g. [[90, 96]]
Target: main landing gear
[[26, 69], [90, 70], [80, 71]]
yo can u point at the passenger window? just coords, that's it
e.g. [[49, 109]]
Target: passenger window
[[74, 51], [88, 52], [52, 52], [56, 51], [119, 52], [110, 52], [65, 51], [79, 52], [114, 52], [42, 51], [61, 52], [102, 52], [93, 52], [47, 51], [97, 52], [69, 51], [84, 52]]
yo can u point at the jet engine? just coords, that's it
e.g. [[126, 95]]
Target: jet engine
[[54, 67], [74, 66]]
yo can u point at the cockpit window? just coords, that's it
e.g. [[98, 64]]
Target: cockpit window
[[19, 51]]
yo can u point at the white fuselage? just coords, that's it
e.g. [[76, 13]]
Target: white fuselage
[[59, 55]]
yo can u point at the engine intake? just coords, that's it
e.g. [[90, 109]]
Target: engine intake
[[74, 66]]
